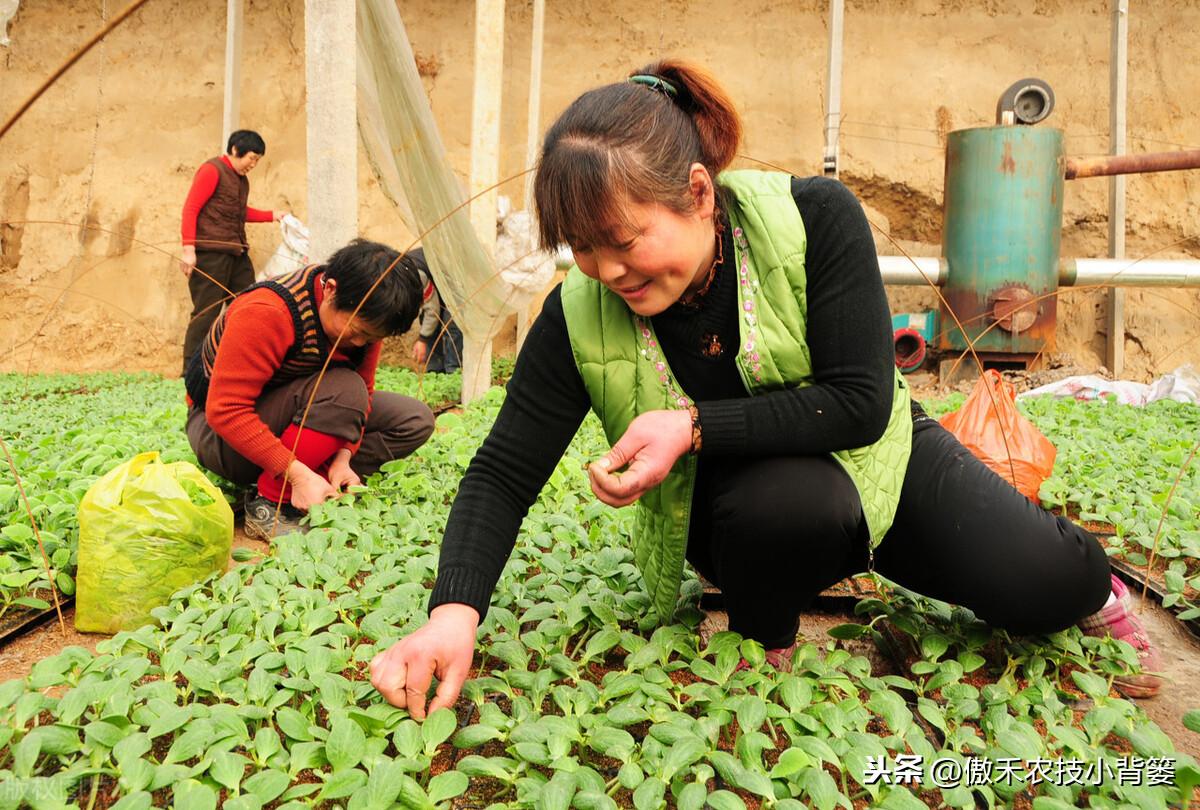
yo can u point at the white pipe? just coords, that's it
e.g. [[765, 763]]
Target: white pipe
[[901, 270], [833, 97], [918, 271], [1130, 273], [1118, 93], [915, 271]]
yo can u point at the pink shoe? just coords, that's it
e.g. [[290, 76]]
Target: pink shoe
[[780, 658], [1119, 621]]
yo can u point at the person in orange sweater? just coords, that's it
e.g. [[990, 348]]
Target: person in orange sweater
[[213, 232], [250, 384]]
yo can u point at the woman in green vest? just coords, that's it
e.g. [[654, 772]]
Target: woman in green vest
[[731, 331]]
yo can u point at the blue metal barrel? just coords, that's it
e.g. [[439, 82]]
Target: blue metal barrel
[[1001, 238]]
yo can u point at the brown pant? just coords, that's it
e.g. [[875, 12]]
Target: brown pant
[[215, 276], [396, 426]]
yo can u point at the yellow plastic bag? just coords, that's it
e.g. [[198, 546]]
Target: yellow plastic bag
[[146, 529]]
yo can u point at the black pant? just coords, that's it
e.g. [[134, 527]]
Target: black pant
[[211, 283], [773, 533], [445, 354]]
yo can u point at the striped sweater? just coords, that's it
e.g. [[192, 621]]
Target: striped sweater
[[270, 335]]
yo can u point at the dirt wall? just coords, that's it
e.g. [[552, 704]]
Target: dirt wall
[[93, 178]]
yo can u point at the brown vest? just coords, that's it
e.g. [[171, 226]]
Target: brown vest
[[309, 348], [221, 224]]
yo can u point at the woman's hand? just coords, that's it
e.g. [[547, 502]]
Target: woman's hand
[[187, 260], [340, 474], [649, 449], [420, 350], [443, 647], [308, 487]]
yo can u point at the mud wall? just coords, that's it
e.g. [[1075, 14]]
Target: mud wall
[[92, 180]]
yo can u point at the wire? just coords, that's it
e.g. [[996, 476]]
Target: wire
[[1067, 135], [893, 140], [1128, 137], [1085, 134], [662, 9], [847, 120], [1167, 143], [71, 60], [91, 182]]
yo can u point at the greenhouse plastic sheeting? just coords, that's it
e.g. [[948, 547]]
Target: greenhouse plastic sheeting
[[146, 529], [409, 159]]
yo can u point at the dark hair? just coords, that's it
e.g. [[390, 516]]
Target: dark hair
[[245, 140], [627, 142], [392, 306]]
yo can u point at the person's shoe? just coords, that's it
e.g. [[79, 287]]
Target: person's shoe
[[1119, 621], [263, 522], [780, 658]]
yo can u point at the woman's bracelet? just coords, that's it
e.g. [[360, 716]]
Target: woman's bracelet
[[696, 438]]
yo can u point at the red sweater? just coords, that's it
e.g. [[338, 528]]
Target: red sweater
[[203, 186], [258, 334]]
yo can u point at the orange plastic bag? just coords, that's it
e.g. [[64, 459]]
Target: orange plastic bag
[[996, 432]]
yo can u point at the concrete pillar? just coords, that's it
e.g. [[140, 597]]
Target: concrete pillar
[[231, 111], [331, 110], [533, 130], [485, 170]]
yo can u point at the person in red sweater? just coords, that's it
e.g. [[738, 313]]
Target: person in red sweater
[[255, 377], [214, 257]]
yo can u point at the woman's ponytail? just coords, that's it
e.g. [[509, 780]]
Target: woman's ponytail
[[702, 97], [632, 141]]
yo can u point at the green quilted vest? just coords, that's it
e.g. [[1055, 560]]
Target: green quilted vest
[[626, 373]]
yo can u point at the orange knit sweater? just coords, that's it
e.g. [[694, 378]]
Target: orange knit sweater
[[258, 334]]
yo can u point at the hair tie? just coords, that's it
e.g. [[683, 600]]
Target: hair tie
[[656, 83]]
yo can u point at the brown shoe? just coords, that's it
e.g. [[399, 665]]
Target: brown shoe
[[266, 520]]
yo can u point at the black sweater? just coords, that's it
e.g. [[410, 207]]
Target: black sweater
[[848, 405]]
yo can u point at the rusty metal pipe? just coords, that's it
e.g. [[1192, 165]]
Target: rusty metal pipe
[[1078, 168]]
